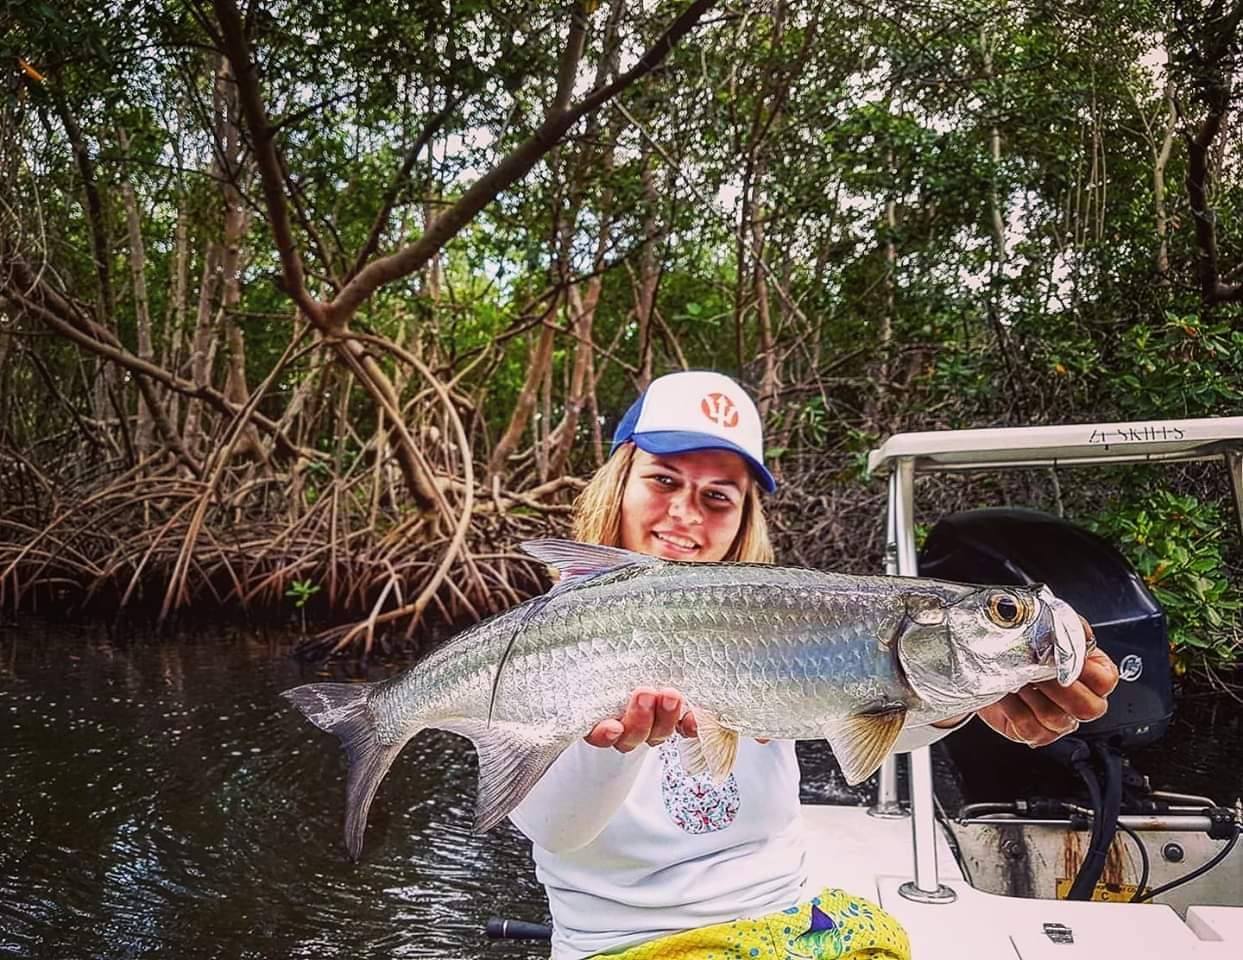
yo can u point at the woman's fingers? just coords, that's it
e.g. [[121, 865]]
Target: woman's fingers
[[1077, 701], [669, 706], [1100, 673], [650, 717], [1041, 713], [1085, 698], [637, 719], [688, 726], [605, 733], [1013, 717], [1053, 719]]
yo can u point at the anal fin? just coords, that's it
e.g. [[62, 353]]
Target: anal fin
[[512, 758], [861, 742]]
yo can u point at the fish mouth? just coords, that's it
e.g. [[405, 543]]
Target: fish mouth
[[1065, 646]]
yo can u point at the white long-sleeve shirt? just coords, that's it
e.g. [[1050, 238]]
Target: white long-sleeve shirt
[[630, 847]]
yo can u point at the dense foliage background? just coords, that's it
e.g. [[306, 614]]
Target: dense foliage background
[[324, 305]]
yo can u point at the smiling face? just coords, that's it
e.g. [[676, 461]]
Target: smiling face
[[684, 506]]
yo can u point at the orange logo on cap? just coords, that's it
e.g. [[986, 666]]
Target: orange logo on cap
[[719, 409]]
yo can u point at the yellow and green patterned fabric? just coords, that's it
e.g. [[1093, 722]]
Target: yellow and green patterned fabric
[[831, 926]]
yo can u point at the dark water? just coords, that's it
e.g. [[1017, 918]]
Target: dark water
[[157, 797], [161, 798]]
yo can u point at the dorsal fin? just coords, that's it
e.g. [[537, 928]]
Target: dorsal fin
[[578, 561], [575, 562]]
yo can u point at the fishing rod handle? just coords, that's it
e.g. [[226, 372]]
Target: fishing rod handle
[[500, 928]]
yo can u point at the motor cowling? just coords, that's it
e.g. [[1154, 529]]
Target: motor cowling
[[1015, 546]]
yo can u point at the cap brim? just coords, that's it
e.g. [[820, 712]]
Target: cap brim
[[681, 441]]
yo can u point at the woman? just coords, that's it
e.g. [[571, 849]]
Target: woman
[[643, 860]]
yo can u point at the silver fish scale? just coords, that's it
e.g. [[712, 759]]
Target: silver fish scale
[[773, 651]]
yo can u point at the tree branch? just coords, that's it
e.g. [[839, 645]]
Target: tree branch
[[58, 314], [94, 207], [511, 169], [390, 197], [1216, 97], [263, 137]]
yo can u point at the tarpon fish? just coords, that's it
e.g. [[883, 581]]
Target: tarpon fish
[[757, 650]]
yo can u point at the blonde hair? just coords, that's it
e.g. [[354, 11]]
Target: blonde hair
[[598, 508]]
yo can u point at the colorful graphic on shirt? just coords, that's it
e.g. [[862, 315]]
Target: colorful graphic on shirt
[[695, 803], [719, 409]]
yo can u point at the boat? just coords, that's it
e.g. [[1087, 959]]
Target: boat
[[1006, 880], [945, 878]]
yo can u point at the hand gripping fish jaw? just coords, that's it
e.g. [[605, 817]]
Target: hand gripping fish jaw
[[989, 641], [1072, 638]]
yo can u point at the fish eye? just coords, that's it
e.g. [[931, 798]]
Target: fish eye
[[1004, 610]]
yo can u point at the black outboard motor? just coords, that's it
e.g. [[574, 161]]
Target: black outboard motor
[[1016, 547], [1010, 787]]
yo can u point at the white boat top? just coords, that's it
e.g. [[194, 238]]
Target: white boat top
[[871, 856], [1061, 445]]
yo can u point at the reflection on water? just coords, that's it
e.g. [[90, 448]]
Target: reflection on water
[[159, 796], [1202, 753]]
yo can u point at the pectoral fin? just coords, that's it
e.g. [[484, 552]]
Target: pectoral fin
[[713, 751], [861, 743], [512, 758]]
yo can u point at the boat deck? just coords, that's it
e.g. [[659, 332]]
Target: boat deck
[[872, 857]]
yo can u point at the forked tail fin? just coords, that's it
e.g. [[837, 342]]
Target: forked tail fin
[[341, 708]]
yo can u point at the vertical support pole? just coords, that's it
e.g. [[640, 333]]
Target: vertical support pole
[[926, 887], [887, 805]]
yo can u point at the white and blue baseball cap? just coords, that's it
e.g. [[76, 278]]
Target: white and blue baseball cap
[[696, 410]]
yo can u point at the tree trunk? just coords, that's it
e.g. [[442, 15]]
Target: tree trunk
[[542, 426], [104, 391], [144, 439], [236, 223], [582, 311], [541, 357], [997, 262], [879, 401], [202, 349], [175, 336], [649, 273], [769, 384], [1160, 158]]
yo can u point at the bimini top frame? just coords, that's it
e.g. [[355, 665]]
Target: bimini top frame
[[1071, 445]]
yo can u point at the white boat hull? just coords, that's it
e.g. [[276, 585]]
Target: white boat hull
[[873, 857]]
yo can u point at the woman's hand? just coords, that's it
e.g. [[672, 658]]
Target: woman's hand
[[650, 717], [1041, 713]]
